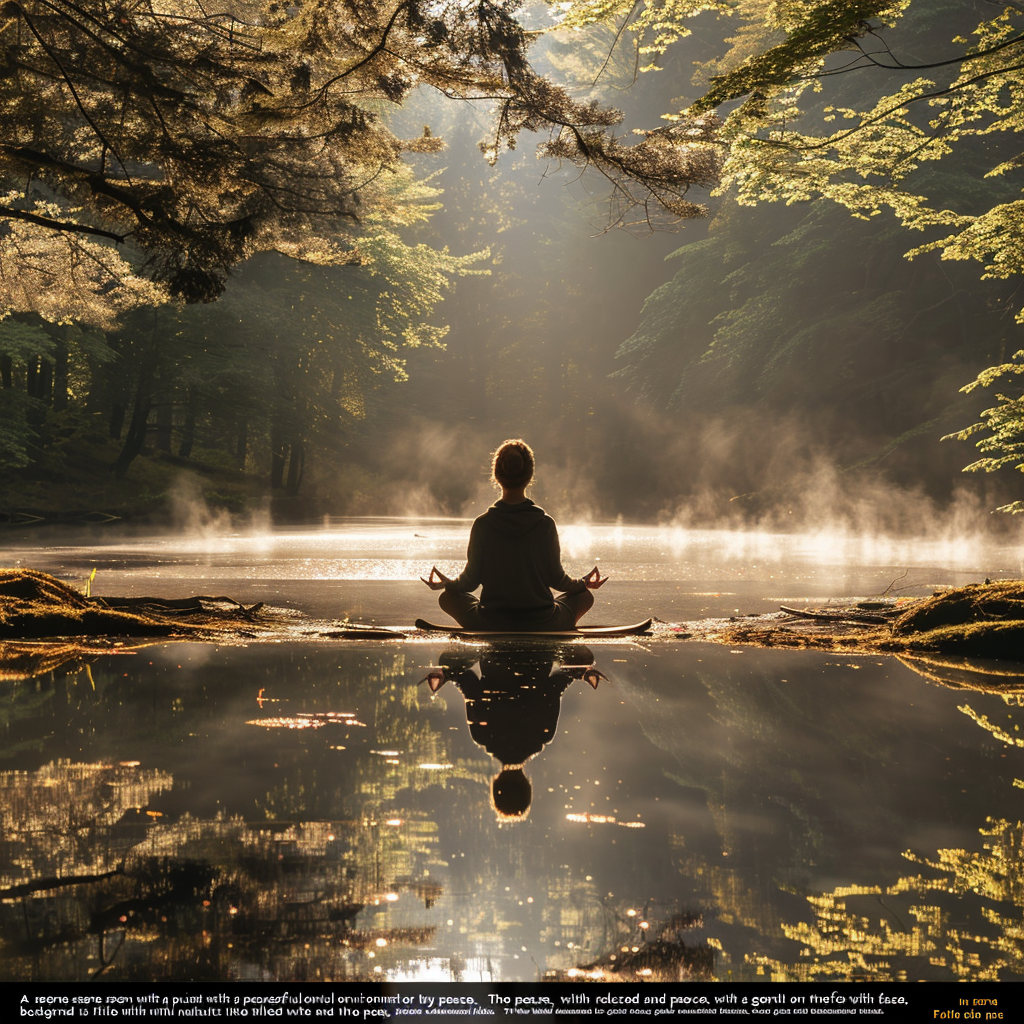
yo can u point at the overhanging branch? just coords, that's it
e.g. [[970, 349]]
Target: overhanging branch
[[69, 226]]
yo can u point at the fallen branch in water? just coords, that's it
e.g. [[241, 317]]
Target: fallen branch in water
[[841, 616], [199, 604], [47, 884]]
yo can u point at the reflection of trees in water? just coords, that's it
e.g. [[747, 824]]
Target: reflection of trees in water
[[97, 880], [1005, 679], [53, 817], [638, 946], [94, 883], [802, 784], [961, 917], [964, 919], [197, 895]]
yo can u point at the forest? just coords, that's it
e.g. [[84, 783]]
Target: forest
[[275, 280], [736, 259]]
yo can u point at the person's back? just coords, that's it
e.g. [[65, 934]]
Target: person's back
[[514, 557]]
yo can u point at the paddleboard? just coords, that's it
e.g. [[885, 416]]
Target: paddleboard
[[584, 631], [356, 631]]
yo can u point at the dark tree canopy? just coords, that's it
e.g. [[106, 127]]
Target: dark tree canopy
[[200, 135], [913, 108]]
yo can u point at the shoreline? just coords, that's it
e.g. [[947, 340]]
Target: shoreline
[[45, 623]]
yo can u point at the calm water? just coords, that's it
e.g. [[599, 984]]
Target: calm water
[[324, 810]]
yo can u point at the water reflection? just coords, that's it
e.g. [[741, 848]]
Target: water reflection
[[986, 676], [959, 915], [640, 952], [513, 697], [112, 887], [306, 810]]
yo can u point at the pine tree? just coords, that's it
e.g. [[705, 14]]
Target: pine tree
[[199, 138]]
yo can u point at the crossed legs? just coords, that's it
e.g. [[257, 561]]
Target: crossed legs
[[465, 608], [580, 603]]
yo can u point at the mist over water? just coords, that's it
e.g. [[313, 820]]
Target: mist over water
[[349, 548], [369, 569], [656, 382]]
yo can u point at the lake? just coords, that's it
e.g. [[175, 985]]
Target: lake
[[323, 810]]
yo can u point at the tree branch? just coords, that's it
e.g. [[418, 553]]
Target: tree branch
[[615, 42], [950, 90], [378, 49], [97, 182], [46, 884], [60, 225], [900, 66], [1015, 4], [74, 92]]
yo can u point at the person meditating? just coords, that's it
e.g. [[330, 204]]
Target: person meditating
[[514, 556]]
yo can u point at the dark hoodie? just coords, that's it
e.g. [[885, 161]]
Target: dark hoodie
[[514, 554], [512, 707]]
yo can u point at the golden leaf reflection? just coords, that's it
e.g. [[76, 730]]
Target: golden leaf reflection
[[962, 916], [308, 721], [603, 819], [287, 723]]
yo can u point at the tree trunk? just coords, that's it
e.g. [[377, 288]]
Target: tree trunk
[[135, 439], [32, 377], [164, 426], [146, 389], [45, 382], [111, 391], [295, 466], [242, 443], [60, 371], [37, 386], [188, 430], [116, 422], [278, 454], [6, 368]]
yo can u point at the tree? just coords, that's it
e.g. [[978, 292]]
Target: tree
[[65, 278], [149, 148], [29, 344], [790, 135], [1002, 424], [287, 358], [198, 139]]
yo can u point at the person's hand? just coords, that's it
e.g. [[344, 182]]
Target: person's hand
[[594, 579], [436, 580], [591, 673], [435, 678]]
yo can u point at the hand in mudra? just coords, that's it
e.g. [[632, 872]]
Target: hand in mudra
[[436, 580], [594, 579]]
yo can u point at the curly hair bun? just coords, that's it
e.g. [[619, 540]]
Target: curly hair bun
[[513, 464]]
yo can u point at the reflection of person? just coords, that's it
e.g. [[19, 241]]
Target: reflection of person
[[512, 708], [515, 557]]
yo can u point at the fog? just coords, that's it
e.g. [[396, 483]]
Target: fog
[[613, 361], [769, 368]]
